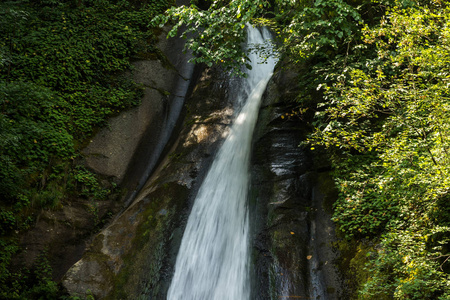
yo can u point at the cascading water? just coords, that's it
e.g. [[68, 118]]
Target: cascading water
[[214, 254]]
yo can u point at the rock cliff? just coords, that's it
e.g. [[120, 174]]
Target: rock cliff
[[291, 198]]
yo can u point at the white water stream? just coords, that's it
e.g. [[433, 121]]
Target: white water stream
[[213, 260]]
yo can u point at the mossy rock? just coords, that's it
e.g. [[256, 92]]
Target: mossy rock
[[141, 274]]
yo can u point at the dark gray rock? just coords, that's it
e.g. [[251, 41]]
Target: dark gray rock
[[293, 255]]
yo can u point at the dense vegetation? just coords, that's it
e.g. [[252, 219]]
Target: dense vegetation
[[386, 120], [61, 66], [377, 74]]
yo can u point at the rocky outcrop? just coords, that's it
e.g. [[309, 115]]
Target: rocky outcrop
[[130, 146], [134, 256]]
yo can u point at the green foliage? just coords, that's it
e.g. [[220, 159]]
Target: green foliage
[[407, 268], [320, 30], [360, 210], [41, 273], [60, 79], [75, 52], [88, 184], [386, 121], [58, 82], [14, 284], [7, 278], [215, 35], [33, 126]]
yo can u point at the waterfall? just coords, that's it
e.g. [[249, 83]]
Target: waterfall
[[214, 254]]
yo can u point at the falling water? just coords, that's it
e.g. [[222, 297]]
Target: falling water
[[213, 259]]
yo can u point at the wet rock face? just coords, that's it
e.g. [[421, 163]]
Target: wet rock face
[[292, 230], [281, 193], [133, 257]]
